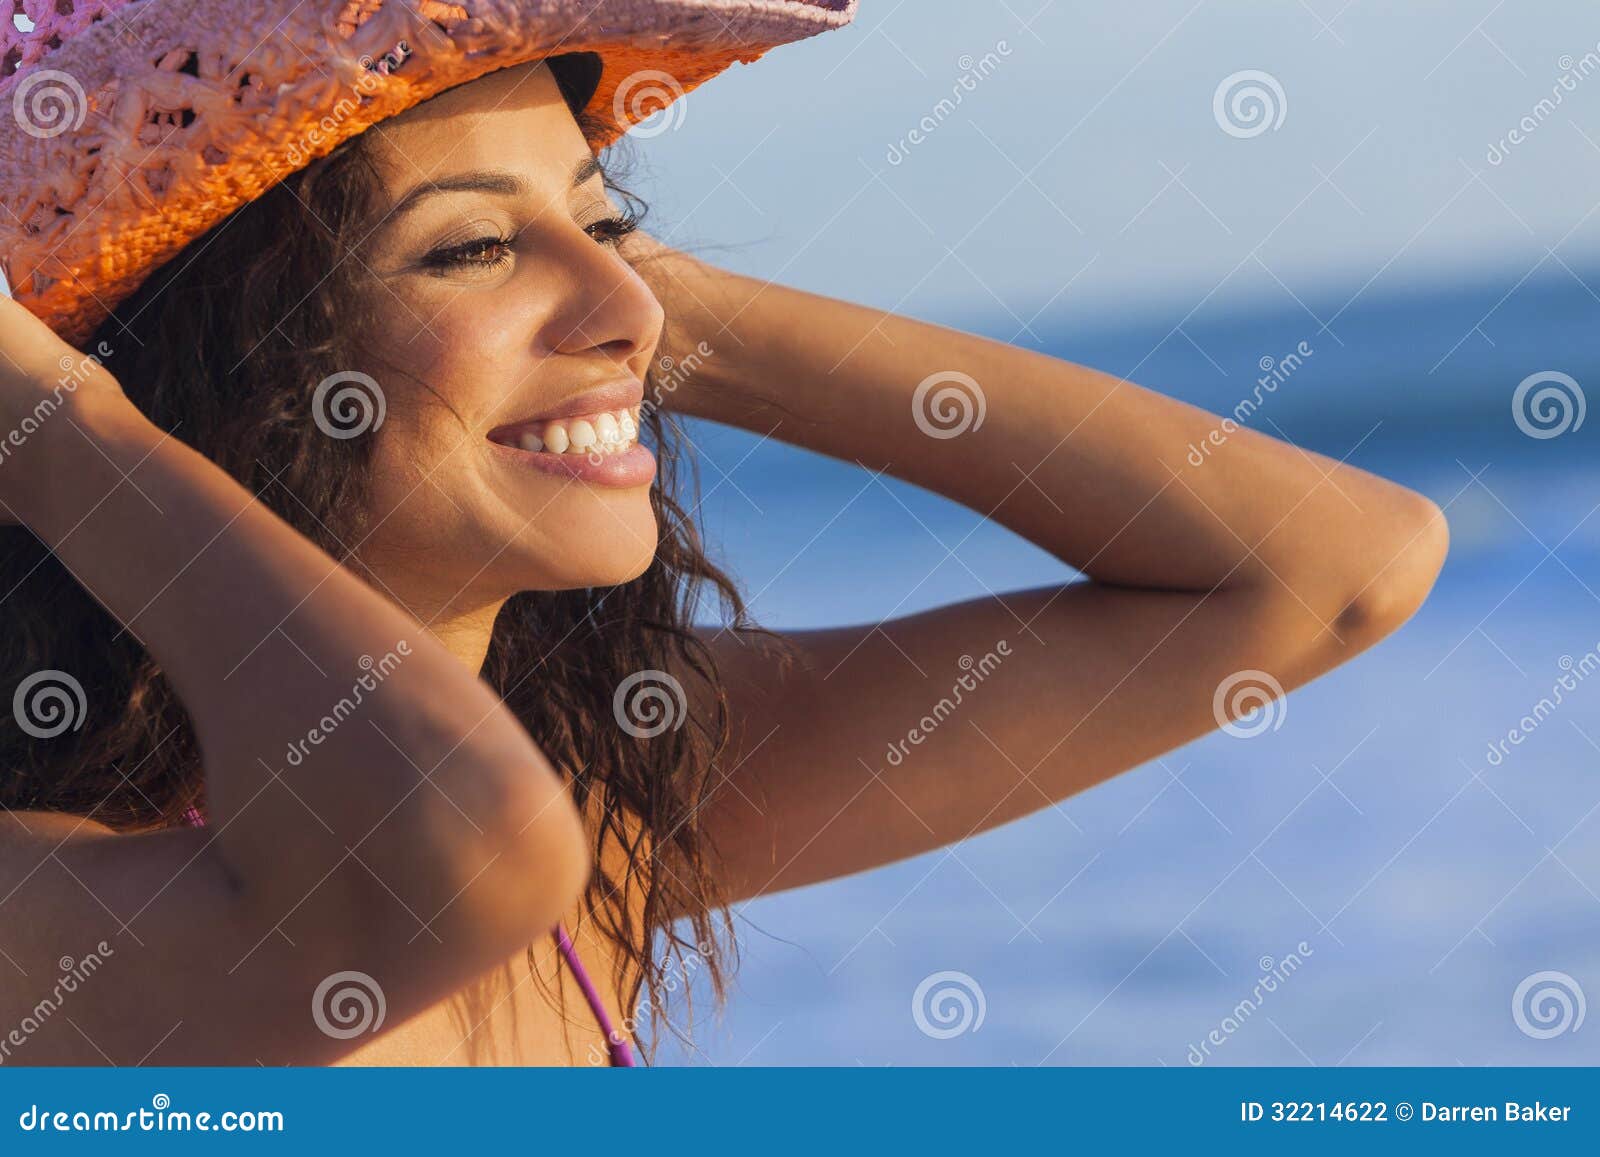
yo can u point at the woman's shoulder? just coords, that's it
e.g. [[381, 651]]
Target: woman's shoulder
[[26, 827], [28, 838]]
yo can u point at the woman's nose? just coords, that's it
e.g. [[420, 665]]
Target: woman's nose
[[606, 307]]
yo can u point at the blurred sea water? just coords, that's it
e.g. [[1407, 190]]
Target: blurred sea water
[[1396, 882]]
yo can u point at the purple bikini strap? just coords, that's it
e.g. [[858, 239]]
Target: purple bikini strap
[[616, 1044]]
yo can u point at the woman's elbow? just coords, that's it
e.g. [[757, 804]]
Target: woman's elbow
[[1403, 564]]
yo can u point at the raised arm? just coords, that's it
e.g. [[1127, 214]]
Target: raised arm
[[421, 840], [1263, 560]]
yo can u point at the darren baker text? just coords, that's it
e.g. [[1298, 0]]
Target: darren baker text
[[1536, 1112]]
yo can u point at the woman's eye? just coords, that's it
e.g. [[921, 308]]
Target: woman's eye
[[493, 252], [610, 230], [485, 252]]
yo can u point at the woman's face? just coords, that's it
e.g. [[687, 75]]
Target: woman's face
[[511, 354]]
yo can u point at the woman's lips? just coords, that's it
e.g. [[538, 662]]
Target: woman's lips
[[601, 447]]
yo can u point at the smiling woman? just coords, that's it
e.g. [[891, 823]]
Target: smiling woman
[[477, 283], [382, 429]]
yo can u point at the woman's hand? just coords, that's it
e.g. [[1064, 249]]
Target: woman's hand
[[693, 296], [39, 375]]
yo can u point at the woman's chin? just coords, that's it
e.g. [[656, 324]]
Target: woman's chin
[[620, 560]]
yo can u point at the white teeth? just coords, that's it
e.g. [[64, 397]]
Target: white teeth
[[581, 434], [608, 432]]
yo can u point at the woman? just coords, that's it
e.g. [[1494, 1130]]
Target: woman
[[255, 776]]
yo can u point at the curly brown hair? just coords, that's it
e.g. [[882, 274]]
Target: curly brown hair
[[223, 347]]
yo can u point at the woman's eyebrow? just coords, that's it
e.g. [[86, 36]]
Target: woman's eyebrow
[[497, 182], [493, 181], [585, 170]]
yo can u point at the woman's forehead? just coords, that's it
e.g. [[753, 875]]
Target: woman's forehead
[[512, 120]]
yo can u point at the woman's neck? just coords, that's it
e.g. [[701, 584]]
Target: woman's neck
[[464, 626], [465, 634]]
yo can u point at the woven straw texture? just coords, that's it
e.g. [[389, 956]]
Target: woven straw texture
[[134, 126]]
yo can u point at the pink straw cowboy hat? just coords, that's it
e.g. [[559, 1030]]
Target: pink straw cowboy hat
[[131, 127]]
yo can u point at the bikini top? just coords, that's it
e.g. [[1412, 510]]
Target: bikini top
[[617, 1048]]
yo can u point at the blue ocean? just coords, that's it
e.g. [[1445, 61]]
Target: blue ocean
[[1374, 882]]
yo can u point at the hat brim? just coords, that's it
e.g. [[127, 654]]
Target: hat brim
[[136, 135]]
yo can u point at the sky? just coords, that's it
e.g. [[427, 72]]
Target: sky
[[1084, 175]]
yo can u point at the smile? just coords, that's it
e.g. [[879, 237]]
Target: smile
[[604, 432], [599, 445]]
